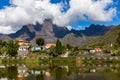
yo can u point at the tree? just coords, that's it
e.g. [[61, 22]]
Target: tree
[[58, 48], [40, 41], [12, 47]]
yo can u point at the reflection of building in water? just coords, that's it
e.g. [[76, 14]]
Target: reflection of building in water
[[63, 73], [39, 75], [2, 66], [47, 74], [22, 72], [20, 78], [25, 74]]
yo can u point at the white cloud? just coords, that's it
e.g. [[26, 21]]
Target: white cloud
[[95, 10], [6, 29], [29, 11]]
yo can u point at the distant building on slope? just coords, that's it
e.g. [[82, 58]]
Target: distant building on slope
[[35, 48], [22, 42], [47, 46], [23, 48]]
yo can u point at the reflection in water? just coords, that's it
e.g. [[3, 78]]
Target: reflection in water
[[54, 72], [12, 70]]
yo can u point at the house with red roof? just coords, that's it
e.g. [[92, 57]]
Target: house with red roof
[[47, 46]]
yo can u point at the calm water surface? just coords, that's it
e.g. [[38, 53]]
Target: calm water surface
[[59, 72]]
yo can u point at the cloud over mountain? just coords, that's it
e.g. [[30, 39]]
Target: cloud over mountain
[[22, 12]]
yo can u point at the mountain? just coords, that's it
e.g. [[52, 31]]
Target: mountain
[[50, 32], [83, 37], [93, 30], [108, 39]]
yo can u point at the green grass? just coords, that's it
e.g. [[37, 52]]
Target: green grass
[[32, 62]]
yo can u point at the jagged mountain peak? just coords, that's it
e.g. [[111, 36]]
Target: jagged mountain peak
[[47, 30]]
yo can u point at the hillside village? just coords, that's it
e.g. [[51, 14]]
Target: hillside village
[[25, 48], [21, 47]]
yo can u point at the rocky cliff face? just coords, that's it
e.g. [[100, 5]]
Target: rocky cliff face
[[46, 30]]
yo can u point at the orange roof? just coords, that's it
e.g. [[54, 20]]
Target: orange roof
[[98, 49], [47, 74], [21, 40], [49, 45]]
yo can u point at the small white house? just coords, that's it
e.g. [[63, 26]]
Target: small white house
[[23, 48]]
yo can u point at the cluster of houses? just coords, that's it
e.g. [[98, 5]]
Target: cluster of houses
[[93, 50], [25, 47]]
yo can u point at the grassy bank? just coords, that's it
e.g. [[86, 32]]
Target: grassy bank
[[56, 61], [19, 61], [61, 61]]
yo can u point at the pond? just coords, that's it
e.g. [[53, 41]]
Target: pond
[[59, 72]]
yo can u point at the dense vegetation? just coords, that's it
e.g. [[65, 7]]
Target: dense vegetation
[[56, 50], [107, 39], [12, 47], [8, 48]]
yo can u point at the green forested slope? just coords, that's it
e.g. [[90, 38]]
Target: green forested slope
[[106, 40]]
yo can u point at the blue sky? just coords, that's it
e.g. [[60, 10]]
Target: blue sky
[[67, 13], [4, 3], [115, 21]]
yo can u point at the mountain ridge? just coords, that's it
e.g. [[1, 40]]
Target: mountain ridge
[[51, 32]]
